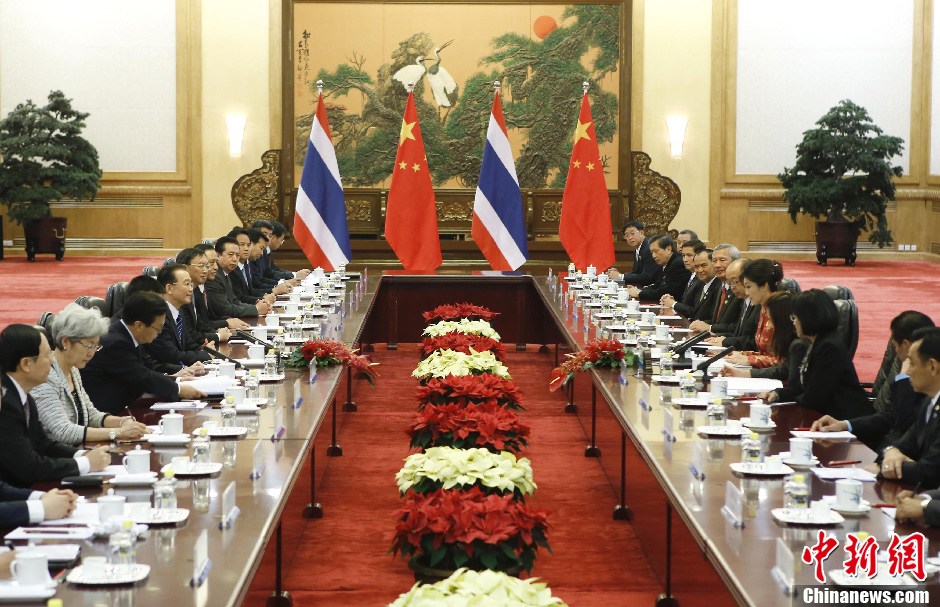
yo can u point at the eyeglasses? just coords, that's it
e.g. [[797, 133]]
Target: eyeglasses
[[157, 329], [792, 317], [185, 283], [734, 281], [90, 347]]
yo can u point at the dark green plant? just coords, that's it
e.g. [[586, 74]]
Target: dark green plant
[[843, 171], [43, 157]]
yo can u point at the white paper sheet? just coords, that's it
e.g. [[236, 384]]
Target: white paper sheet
[[824, 435], [831, 474], [214, 384], [183, 405], [752, 385], [85, 513]]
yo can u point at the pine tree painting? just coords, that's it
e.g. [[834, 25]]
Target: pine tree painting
[[541, 78]]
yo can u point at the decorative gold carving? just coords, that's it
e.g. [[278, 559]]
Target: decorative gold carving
[[656, 198], [358, 209], [257, 195], [454, 210], [551, 210]]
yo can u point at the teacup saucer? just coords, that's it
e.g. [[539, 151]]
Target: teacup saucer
[[859, 510], [746, 422]]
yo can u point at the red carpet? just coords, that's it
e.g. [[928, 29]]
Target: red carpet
[[343, 558]]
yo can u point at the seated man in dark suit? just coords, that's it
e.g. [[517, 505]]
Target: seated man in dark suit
[[20, 507], [645, 269], [197, 311], [701, 305], [259, 284], [28, 455], [886, 428], [736, 323], [689, 249], [178, 342], [202, 303], [674, 275], [223, 302], [119, 374], [277, 238]]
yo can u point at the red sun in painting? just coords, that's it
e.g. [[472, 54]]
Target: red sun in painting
[[544, 26]]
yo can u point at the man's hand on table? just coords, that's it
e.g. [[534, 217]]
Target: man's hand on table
[[58, 503], [634, 292], [827, 423], [224, 334], [263, 308], [699, 326], [892, 462], [667, 300], [613, 274], [190, 392], [99, 458], [236, 323]]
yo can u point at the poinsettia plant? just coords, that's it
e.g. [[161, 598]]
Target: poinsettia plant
[[487, 425], [449, 468], [481, 389], [460, 310], [462, 342], [329, 352], [597, 353], [464, 325], [449, 529], [467, 587], [442, 363]]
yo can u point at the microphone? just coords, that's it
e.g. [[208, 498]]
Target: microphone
[[681, 348], [703, 367], [252, 338], [217, 354]]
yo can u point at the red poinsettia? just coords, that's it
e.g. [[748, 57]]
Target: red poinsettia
[[460, 310], [462, 342], [597, 353], [486, 425], [478, 389], [328, 352], [449, 529]]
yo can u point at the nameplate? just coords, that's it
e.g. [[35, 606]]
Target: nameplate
[[298, 402], [669, 426], [733, 510], [644, 405], [201, 562], [279, 428], [697, 465], [229, 509], [621, 377], [257, 462], [783, 568]]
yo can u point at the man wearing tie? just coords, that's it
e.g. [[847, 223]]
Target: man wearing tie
[[727, 308], [177, 341], [28, 455], [645, 269], [701, 306], [223, 301], [738, 323], [197, 311]]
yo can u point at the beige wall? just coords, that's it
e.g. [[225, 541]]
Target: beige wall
[[675, 59], [236, 55]]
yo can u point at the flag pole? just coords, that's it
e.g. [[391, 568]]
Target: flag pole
[[410, 86], [496, 86], [585, 85], [319, 88]]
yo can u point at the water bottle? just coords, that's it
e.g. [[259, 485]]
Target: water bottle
[[200, 447], [164, 492], [572, 269], [123, 545], [228, 414], [665, 364], [750, 450], [551, 280], [796, 492], [270, 363], [687, 386], [279, 348], [717, 414], [252, 385], [312, 371]]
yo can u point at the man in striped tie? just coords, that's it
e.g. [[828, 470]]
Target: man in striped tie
[[176, 342]]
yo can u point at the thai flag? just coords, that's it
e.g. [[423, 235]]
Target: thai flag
[[498, 225], [320, 211]]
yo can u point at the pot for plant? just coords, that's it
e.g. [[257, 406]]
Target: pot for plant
[[46, 235], [836, 239]]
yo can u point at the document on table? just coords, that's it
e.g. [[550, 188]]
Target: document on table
[[85, 513], [831, 474], [183, 405], [211, 384], [49, 533], [751, 385], [843, 434]]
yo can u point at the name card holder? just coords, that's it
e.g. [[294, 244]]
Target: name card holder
[[229, 510], [644, 405], [298, 402], [669, 425], [257, 462], [782, 570], [279, 428], [733, 510], [201, 562], [697, 465]]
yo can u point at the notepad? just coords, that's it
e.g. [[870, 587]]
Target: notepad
[[843, 434], [831, 474]]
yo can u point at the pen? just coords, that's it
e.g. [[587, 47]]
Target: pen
[[802, 429], [848, 462], [884, 505], [56, 531]]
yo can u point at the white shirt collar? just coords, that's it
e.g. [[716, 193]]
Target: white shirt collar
[[133, 339], [19, 389], [709, 283], [173, 311]]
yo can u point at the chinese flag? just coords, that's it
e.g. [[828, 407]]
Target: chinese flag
[[585, 229], [411, 213]]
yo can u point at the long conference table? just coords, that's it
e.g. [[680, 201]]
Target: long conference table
[[698, 554]]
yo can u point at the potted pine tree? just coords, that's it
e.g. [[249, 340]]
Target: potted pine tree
[[843, 172], [43, 157]]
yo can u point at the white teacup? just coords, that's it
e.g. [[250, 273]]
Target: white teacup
[[801, 449], [848, 493], [294, 296], [760, 416], [259, 333], [138, 460], [662, 331], [648, 318], [94, 566], [237, 393], [602, 279], [227, 369], [718, 386], [623, 295], [172, 423], [255, 351], [31, 569], [270, 320], [633, 305], [211, 424], [292, 308], [111, 505]]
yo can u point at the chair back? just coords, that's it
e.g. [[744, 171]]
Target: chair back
[[169, 261], [848, 324], [150, 271], [90, 301], [789, 284], [45, 321], [838, 292], [115, 297]]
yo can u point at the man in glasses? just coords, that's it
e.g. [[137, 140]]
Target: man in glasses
[[178, 341], [196, 312]]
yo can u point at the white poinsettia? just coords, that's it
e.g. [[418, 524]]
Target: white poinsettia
[[480, 589], [464, 325], [467, 467], [442, 363]]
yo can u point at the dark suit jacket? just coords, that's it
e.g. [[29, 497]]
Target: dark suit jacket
[[13, 510], [830, 384], [204, 321], [199, 332], [167, 348], [240, 288], [671, 281], [28, 455], [645, 270], [921, 443], [258, 278], [883, 429], [119, 374], [702, 305], [725, 321], [745, 329], [272, 271], [789, 370], [223, 303]]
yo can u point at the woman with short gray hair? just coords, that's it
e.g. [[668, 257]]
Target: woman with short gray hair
[[65, 410]]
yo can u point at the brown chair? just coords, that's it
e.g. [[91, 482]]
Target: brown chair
[[90, 301]]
